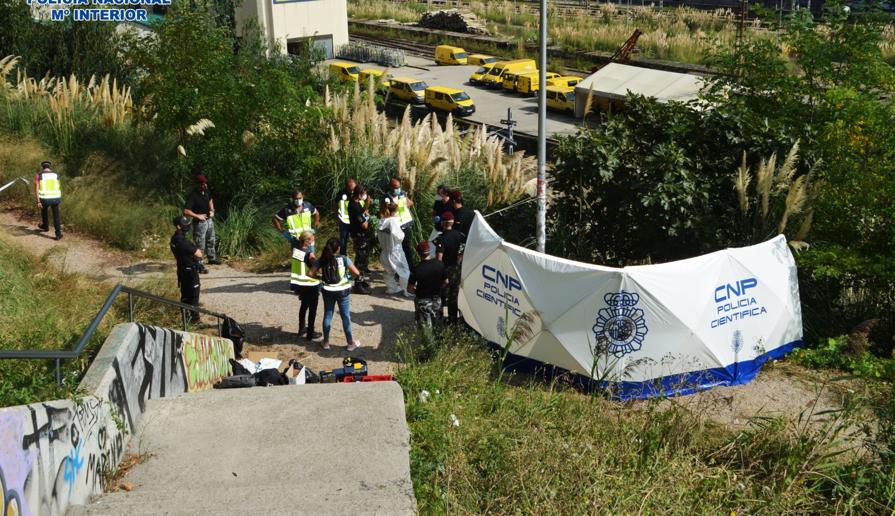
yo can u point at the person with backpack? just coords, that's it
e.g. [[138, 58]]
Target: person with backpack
[[335, 270], [48, 191], [360, 222], [307, 288]]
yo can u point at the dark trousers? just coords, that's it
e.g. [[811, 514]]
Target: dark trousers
[[407, 244], [452, 292], [344, 231], [307, 313], [188, 281], [57, 221], [361, 251]]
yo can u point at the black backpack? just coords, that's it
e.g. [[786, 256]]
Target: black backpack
[[231, 329], [331, 271]]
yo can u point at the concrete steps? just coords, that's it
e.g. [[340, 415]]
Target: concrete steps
[[318, 449]]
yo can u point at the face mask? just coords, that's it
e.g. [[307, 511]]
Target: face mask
[[363, 197], [311, 247], [299, 202], [396, 191]]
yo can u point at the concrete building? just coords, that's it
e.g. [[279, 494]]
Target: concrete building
[[291, 24]]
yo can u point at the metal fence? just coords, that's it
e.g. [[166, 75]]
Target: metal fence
[[59, 355], [367, 53]]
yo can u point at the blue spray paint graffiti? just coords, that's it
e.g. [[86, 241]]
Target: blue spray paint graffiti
[[73, 464]]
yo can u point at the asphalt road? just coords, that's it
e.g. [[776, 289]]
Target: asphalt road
[[491, 105]]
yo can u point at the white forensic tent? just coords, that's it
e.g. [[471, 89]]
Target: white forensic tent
[[614, 81], [643, 331]]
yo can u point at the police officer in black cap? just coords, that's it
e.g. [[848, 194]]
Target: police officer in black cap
[[187, 255]]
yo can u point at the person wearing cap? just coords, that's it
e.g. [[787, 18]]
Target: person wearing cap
[[343, 200], [187, 255], [299, 216], [200, 207], [463, 217], [399, 197], [449, 247], [391, 238], [426, 282], [48, 190]]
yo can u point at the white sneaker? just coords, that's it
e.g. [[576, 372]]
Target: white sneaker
[[408, 295], [393, 292], [354, 345]]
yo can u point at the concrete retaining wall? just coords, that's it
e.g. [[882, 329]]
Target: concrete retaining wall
[[58, 453]]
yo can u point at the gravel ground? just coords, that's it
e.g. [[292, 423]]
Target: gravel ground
[[268, 310]]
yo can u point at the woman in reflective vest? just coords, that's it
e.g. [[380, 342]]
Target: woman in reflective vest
[[48, 190], [307, 288], [334, 270]]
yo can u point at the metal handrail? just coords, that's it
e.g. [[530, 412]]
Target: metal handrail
[[60, 355]]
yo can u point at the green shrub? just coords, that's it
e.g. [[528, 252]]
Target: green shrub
[[834, 353]]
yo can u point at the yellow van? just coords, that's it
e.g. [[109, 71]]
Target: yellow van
[[478, 75], [509, 81], [480, 59], [451, 100], [561, 99], [494, 77], [380, 81], [448, 55], [530, 83], [565, 81], [408, 89], [345, 72]]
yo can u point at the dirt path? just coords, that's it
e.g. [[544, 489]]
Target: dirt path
[[268, 311], [261, 303]]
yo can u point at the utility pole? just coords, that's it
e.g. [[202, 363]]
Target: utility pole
[[542, 133], [510, 123]]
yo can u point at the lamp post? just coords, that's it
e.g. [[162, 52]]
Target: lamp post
[[542, 133]]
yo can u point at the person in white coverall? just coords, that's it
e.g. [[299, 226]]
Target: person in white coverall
[[391, 236]]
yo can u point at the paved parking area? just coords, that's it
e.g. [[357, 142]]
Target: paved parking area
[[491, 105]]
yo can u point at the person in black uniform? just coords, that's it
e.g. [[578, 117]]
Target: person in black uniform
[[449, 247], [462, 216], [442, 202], [359, 221], [426, 282], [187, 255]]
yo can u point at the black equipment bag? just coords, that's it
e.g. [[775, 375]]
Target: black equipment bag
[[231, 329]]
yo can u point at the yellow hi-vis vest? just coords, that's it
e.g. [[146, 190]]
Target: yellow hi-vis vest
[[404, 215], [343, 209], [48, 187], [344, 282], [300, 270], [299, 223]]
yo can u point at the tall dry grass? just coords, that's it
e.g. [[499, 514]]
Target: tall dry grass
[[427, 154]]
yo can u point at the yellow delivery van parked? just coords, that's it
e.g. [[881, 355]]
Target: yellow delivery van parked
[[448, 55], [379, 80], [408, 89], [565, 81], [344, 71], [494, 77], [561, 99], [477, 76], [450, 100], [480, 59], [530, 83]]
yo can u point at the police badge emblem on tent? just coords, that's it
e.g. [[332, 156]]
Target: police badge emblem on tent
[[622, 326]]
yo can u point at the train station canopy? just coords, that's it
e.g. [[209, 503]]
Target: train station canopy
[[614, 81], [641, 331]]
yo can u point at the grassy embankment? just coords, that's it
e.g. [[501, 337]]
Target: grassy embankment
[[678, 34], [525, 445]]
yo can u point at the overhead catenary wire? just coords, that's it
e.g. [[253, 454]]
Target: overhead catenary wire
[[514, 205]]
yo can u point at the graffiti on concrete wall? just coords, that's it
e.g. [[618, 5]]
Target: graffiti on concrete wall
[[59, 453], [206, 360]]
